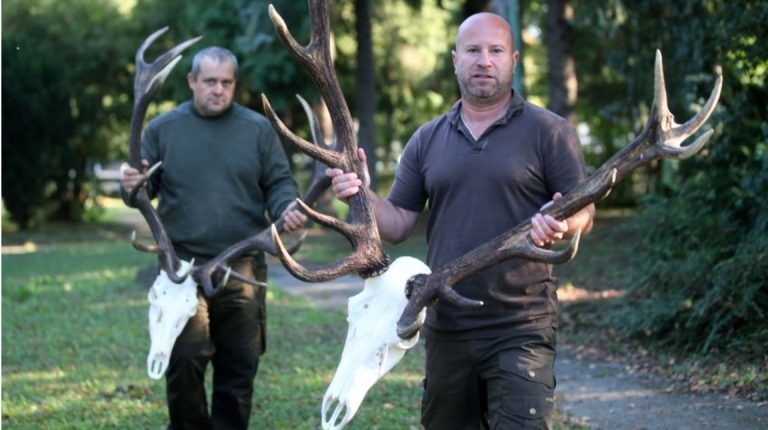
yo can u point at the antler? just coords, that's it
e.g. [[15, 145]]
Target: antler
[[149, 78], [661, 138], [368, 258], [263, 241]]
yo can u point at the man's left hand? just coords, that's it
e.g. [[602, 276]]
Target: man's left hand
[[545, 229], [294, 218]]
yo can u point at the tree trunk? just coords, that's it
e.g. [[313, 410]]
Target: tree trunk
[[366, 89], [563, 84], [512, 10]]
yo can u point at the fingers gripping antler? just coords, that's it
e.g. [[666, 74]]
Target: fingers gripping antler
[[149, 78], [368, 257], [660, 138]]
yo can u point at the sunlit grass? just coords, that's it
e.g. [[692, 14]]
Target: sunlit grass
[[75, 344]]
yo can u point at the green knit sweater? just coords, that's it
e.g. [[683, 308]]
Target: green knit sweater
[[222, 180]]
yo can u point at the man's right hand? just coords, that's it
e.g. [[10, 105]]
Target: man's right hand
[[130, 176], [347, 184]]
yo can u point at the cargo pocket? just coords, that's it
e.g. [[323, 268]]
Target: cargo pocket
[[528, 399]]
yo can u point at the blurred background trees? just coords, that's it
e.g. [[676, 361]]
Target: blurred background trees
[[702, 269]]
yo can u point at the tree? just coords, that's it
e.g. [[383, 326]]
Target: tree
[[563, 84], [700, 271], [64, 81], [366, 89]]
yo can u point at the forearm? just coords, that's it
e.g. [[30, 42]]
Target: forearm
[[581, 220], [395, 224]]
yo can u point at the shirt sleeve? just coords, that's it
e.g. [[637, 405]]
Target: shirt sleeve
[[564, 165], [408, 191]]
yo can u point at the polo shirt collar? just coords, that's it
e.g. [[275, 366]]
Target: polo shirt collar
[[515, 107]]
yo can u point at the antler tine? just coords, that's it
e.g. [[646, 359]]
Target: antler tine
[[149, 78], [326, 156], [660, 138], [368, 257], [263, 240], [152, 75], [315, 58], [678, 133], [152, 249]]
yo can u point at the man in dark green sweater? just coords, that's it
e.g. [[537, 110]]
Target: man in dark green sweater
[[224, 177]]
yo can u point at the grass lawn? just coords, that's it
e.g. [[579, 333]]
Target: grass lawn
[[75, 344], [75, 341]]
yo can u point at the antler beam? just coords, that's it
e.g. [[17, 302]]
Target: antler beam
[[368, 258], [149, 78], [660, 138]]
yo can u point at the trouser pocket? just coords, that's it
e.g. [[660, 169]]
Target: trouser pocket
[[527, 393]]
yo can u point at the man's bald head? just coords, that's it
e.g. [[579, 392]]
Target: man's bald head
[[486, 20]]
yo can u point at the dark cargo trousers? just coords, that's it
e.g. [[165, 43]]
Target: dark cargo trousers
[[502, 383], [227, 331]]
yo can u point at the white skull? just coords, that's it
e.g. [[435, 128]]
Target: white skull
[[170, 307], [372, 347]]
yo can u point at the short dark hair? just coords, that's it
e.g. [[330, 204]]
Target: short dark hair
[[217, 53]]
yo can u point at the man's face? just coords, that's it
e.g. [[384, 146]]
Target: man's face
[[484, 59], [214, 86]]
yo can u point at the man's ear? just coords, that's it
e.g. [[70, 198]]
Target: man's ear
[[190, 80]]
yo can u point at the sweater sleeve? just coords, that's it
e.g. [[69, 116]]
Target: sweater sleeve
[[277, 180], [149, 152]]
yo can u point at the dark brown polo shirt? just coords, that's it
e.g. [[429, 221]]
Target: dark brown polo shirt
[[477, 190]]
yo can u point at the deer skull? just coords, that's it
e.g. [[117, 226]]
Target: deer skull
[[372, 347], [170, 307]]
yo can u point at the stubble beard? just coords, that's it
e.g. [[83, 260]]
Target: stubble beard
[[487, 94]]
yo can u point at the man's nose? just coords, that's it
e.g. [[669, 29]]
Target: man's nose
[[485, 58]]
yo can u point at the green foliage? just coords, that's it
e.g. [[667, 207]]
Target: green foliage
[[244, 27], [701, 275], [414, 75], [615, 44], [64, 80]]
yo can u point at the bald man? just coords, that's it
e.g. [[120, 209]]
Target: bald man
[[487, 165]]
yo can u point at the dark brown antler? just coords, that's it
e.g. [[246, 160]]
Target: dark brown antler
[[661, 138], [368, 258], [263, 241], [149, 78]]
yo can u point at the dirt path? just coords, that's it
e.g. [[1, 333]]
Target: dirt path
[[598, 394]]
